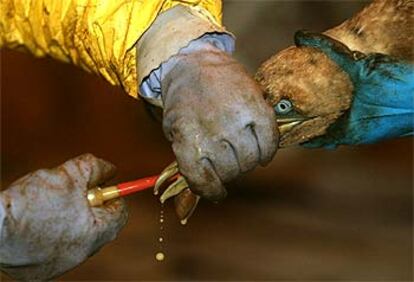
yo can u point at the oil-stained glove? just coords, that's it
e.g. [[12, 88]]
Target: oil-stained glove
[[47, 226], [383, 96], [217, 119]]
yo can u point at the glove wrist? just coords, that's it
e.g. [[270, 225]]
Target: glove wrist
[[184, 67], [176, 31]]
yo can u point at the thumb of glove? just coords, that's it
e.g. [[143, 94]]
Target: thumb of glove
[[112, 216], [109, 220]]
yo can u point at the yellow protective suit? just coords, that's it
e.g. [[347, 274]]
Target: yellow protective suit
[[97, 35]]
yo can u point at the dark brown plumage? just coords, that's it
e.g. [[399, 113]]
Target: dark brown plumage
[[318, 89]]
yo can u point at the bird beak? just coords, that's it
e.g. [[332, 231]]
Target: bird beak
[[286, 124]]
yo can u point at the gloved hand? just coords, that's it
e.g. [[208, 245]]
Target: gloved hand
[[47, 225], [217, 119], [383, 98]]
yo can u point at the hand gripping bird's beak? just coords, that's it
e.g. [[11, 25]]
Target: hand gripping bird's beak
[[185, 200]]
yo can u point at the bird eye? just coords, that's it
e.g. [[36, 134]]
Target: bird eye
[[283, 107]]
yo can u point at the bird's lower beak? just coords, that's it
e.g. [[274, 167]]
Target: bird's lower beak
[[286, 124]]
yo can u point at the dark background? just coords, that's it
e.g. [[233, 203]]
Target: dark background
[[309, 215]]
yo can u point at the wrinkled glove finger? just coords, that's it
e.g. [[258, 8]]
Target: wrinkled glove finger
[[246, 147], [91, 169], [108, 221], [200, 173], [261, 122], [267, 137], [334, 49], [224, 161]]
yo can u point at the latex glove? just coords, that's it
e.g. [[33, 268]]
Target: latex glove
[[383, 98], [48, 226], [217, 119]]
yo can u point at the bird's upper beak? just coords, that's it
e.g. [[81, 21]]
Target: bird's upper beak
[[286, 124]]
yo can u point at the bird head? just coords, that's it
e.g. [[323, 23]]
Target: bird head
[[307, 90]]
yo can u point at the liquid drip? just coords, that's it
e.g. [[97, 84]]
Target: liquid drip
[[160, 256]]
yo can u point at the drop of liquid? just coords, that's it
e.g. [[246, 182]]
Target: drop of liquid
[[159, 256], [183, 221]]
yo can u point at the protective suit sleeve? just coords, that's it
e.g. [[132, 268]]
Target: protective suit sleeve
[[157, 59], [95, 35]]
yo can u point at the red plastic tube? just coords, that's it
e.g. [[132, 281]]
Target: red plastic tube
[[137, 185], [99, 196]]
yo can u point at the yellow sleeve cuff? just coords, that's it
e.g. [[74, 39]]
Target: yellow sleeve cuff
[[96, 35]]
